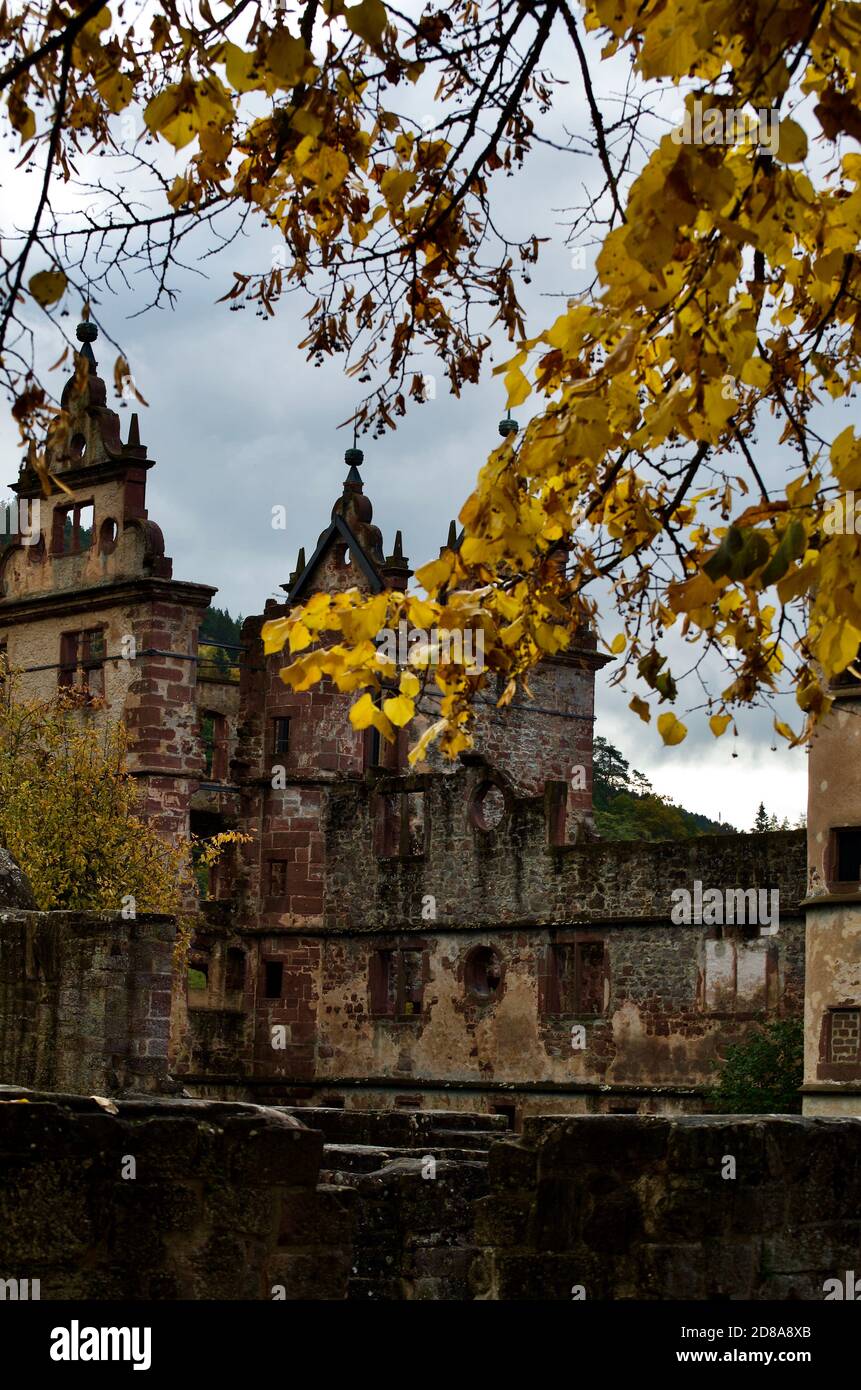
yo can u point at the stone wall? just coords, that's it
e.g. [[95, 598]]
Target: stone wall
[[670, 999], [84, 1000], [621, 1207], [161, 1199], [513, 873], [832, 1024]]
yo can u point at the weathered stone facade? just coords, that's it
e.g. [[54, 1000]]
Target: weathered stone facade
[[450, 938], [85, 1000], [832, 1025]]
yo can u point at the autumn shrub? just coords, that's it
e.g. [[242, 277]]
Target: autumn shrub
[[70, 814]]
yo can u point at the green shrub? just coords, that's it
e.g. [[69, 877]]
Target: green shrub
[[762, 1074]]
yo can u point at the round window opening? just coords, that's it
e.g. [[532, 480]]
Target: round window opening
[[483, 972], [488, 807]]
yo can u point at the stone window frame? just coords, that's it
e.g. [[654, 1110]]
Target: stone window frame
[[269, 966], [77, 675], [475, 808], [280, 747], [277, 868], [58, 532], [474, 994], [737, 934], [827, 1070], [388, 1005], [235, 967], [217, 747], [832, 860], [393, 834], [550, 997]]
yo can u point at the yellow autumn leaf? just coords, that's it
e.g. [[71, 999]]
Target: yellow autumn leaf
[[274, 634], [792, 142], [409, 684], [756, 372], [240, 69], [641, 708], [299, 638], [400, 709], [420, 613], [47, 287], [286, 57], [368, 21], [328, 169], [24, 121], [416, 754], [433, 576], [517, 386], [115, 89], [363, 624], [363, 712], [671, 729], [618, 644], [718, 723], [395, 185], [784, 730], [475, 550]]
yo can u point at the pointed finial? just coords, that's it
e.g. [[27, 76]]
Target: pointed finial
[[134, 439], [300, 560], [398, 552], [507, 426], [451, 542]]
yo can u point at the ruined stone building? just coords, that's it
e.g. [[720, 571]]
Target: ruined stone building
[[832, 1025], [449, 938]]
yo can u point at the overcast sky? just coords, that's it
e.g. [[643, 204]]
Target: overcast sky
[[239, 422]]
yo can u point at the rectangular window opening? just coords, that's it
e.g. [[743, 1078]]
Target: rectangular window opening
[[273, 979], [847, 855], [82, 661], [396, 983]]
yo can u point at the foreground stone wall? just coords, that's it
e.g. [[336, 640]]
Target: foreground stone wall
[[622, 1207], [84, 1000], [162, 1199]]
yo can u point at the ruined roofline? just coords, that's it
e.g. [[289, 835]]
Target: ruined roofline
[[66, 602], [338, 526], [29, 487]]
